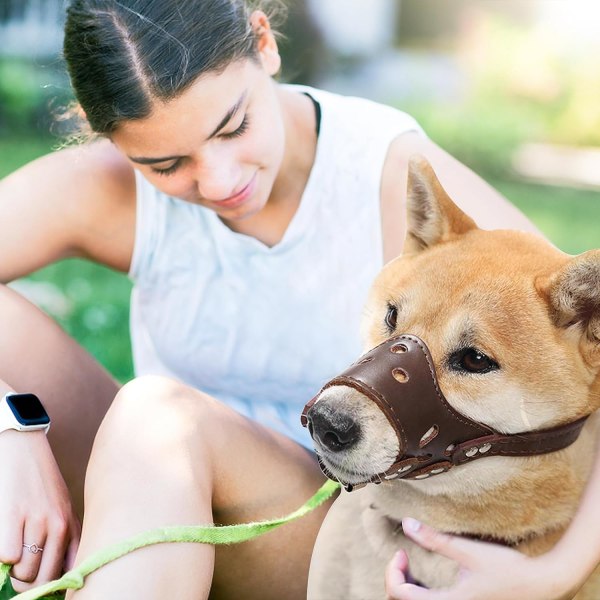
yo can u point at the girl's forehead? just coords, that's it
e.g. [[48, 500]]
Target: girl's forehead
[[198, 111]]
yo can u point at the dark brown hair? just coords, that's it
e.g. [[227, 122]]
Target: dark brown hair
[[122, 55]]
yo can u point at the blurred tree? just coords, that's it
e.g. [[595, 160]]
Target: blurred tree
[[32, 79], [431, 23]]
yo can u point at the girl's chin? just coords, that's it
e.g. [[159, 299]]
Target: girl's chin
[[239, 214]]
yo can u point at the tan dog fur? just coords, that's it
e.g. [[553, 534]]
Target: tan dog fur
[[536, 312]]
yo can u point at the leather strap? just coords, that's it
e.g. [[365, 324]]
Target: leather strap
[[399, 376]]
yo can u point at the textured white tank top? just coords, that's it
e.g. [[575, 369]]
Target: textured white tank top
[[263, 328]]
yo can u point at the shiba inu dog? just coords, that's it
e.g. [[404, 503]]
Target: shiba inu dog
[[474, 410]]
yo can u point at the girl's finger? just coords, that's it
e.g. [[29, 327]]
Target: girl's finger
[[395, 572], [11, 536], [72, 552], [396, 578], [464, 552], [409, 591], [32, 550], [53, 557]]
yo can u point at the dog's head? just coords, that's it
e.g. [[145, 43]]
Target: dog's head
[[512, 325]]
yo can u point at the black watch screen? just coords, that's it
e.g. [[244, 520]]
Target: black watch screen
[[28, 409]]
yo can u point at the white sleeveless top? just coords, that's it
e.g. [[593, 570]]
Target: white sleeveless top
[[263, 328]]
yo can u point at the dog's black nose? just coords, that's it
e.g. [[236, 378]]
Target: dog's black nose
[[334, 431]]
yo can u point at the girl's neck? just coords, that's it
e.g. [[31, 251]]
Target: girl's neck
[[271, 223]]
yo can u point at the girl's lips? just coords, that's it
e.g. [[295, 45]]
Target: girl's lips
[[239, 198]]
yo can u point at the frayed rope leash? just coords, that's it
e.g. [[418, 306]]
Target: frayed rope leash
[[211, 534]]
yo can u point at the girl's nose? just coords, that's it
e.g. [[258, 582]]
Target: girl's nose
[[218, 176]]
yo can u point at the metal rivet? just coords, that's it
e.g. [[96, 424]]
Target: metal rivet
[[422, 476], [437, 471], [483, 449], [398, 349], [404, 468], [450, 448], [400, 375], [392, 476], [471, 452]]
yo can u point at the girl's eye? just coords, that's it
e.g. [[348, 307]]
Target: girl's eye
[[239, 131], [391, 318], [233, 134], [166, 171]]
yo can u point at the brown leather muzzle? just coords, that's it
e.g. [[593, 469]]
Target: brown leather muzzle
[[399, 376]]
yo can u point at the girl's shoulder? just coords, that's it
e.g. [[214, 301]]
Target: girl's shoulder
[[78, 201], [100, 167], [107, 206], [358, 112]]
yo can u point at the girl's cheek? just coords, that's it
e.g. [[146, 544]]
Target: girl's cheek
[[171, 184]]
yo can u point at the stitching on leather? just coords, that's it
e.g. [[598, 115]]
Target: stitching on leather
[[441, 397]]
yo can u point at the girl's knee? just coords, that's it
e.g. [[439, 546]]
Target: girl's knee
[[152, 442], [154, 423], [150, 396], [161, 409]]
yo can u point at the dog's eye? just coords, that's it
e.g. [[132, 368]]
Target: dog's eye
[[391, 318], [473, 361]]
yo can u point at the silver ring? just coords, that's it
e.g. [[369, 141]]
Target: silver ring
[[33, 548]]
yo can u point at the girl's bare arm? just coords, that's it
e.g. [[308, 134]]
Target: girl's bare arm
[[74, 202]]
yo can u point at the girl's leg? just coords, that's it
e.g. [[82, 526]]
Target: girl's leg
[[37, 356], [169, 455]]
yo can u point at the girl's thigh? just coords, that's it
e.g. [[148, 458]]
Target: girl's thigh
[[37, 356], [267, 476], [170, 455]]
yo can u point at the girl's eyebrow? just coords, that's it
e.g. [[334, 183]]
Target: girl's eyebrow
[[143, 160], [230, 114]]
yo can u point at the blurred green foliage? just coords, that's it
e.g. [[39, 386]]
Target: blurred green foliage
[[20, 94], [549, 82], [568, 217], [30, 93], [520, 84]]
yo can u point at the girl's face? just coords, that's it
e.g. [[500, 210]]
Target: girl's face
[[219, 144]]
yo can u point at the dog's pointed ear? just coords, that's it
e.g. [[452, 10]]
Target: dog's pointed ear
[[573, 294], [432, 216]]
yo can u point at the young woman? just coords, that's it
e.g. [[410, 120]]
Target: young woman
[[252, 217]]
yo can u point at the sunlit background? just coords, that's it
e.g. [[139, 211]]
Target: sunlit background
[[511, 87]]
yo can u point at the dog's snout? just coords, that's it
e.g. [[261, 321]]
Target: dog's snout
[[333, 430]]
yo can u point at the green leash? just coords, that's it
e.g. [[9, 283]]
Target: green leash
[[211, 534]]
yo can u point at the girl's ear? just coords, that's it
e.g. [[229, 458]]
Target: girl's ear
[[265, 42]]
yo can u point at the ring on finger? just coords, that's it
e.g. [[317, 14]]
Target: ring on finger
[[33, 548]]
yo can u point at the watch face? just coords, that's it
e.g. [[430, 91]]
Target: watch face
[[28, 409]]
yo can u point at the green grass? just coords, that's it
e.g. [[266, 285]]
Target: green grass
[[95, 310], [570, 218], [15, 152]]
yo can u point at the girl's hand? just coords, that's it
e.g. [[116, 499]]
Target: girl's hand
[[486, 571], [35, 508]]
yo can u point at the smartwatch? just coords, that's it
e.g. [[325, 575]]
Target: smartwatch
[[23, 412]]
